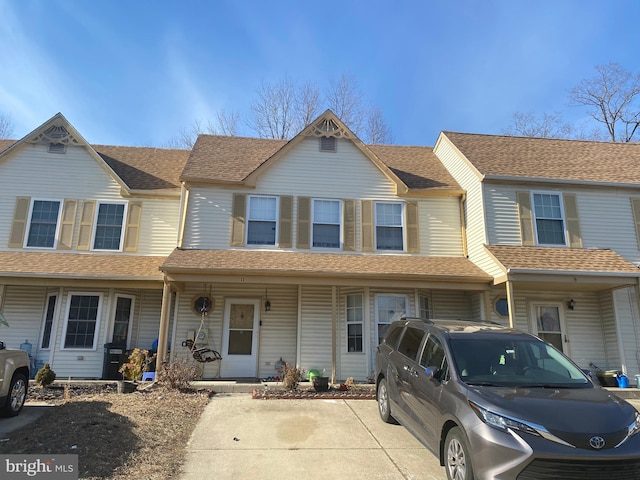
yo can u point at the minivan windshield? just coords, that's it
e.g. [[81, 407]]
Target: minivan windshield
[[510, 361]]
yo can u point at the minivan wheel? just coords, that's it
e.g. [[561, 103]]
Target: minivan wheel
[[384, 408], [16, 397], [458, 462]]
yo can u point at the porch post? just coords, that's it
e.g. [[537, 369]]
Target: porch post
[[334, 332], [510, 302], [163, 334]]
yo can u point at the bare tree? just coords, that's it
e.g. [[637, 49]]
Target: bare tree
[[307, 104], [6, 126], [273, 113], [345, 99], [227, 124], [544, 126], [375, 128], [613, 99]]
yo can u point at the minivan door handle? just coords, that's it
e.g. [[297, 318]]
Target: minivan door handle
[[412, 371]]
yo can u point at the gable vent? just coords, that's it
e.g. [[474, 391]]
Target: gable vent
[[57, 147], [327, 144]]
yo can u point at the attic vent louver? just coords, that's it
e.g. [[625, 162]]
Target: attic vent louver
[[57, 147], [56, 134], [327, 144]]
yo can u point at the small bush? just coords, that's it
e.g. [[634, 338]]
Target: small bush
[[178, 374], [45, 376], [291, 377], [138, 363]]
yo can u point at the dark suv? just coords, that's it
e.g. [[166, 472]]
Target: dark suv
[[496, 403]]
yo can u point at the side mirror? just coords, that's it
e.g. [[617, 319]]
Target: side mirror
[[2, 346]]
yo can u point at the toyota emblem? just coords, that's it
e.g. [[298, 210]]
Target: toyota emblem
[[596, 442]]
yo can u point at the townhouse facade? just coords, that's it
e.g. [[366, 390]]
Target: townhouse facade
[[83, 231], [246, 253], [555, 222]]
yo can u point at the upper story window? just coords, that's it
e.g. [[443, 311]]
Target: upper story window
[[109, 226], [326, 223], [389, 226], [262, 214], [549, 218], [43, 223]]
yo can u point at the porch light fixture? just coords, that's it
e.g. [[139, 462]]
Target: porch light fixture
[[267, 303], [571, 304]]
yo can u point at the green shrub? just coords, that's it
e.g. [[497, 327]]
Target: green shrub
[[45, 376]]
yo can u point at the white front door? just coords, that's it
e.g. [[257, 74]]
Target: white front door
[[240, 338], [548, 324]]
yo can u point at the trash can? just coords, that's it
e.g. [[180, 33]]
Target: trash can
[[638, 381], [114, 357]]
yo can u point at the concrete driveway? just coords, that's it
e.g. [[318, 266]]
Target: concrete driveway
[[238, 437]]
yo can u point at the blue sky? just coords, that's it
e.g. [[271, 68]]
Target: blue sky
[[136, 72]]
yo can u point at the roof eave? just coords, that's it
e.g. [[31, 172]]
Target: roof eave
[[560, 181]]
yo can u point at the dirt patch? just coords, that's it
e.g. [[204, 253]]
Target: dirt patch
[[141, 435], [363, 392]]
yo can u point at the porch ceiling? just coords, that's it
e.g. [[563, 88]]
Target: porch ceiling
[[299, 266]]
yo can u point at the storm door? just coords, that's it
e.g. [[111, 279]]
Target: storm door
[[240, 338], [549, 325]]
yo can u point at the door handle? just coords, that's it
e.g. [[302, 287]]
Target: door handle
[[412, 371]]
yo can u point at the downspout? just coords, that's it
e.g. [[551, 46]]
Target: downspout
[[163, 334], [184, 201], [463, 225], [510, 302]]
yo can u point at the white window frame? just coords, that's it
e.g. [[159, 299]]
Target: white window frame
[[422, 297], [70, 295], [53, 321], [57, 232], [113, 318], [277, 218], [562, 214], [340, 223], [402, 225], [123, 227], [348, 323], [377, 298]]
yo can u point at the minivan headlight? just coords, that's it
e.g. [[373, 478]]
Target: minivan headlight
[[504, 423]]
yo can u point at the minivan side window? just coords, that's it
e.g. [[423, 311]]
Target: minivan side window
[[392, 336], [410, 342], [433, 353]]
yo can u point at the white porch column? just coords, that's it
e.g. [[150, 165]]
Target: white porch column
[[510, 302], [163, 334]]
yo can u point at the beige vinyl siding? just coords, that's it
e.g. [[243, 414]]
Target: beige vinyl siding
[[23, 309], [278, 332], [447, 304], [146, 319], [316, 328], [503, 217], [440, 227], [611, 357], [78, 176], [476, 229], [628, 322]]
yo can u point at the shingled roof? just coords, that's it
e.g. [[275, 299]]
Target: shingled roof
[[543, 158], [144, 168], [251, 262], [85, 266], [4, 144], [231, 159], [562, 260]]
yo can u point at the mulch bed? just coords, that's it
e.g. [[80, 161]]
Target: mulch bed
[[359, 392]]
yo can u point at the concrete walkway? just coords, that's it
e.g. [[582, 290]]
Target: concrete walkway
[[241, 438]]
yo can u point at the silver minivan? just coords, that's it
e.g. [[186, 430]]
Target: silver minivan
[[496, 403]]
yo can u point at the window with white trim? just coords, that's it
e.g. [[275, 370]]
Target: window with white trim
[[108, 233], [83, 314], [389, 224], [355, 323], [122, 319], [44, 219], [326, 223], [549, 218], [262, 220], [423, 307], [47, 327], [388, 309]]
